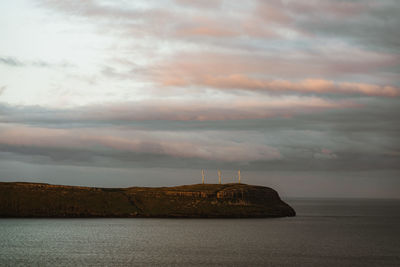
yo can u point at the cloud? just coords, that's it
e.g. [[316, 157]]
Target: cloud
[[267, 85], [253, 70], [201, 3], [2, 89], [229, 108], [368, 23], [285, 113], [14, 62], [181, 134], [325, 154], [273, 150], [365, 22], [319, 86], [137, 142], [183, 20], [262, 40], [338, 9], [10, 61]]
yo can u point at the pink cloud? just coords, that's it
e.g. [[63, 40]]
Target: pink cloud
[[273, 12], [96, 140], [243, 82], [204, 26], [323, 62], [207, 31], [252, 72], [230, 108], [175, 23]]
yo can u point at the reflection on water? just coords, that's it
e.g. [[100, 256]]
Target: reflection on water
[[325, 233]]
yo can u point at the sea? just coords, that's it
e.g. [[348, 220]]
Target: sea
[[325, 232]]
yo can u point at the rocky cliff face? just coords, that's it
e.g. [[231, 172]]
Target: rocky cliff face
[[192, 201]]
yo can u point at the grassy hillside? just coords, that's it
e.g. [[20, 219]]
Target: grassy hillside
[[200, 200]]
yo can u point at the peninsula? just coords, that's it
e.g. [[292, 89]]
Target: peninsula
[[188, 201]]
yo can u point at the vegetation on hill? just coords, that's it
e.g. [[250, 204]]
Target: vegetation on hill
[[192, 201]]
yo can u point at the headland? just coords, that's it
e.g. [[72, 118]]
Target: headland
[[188, 201]]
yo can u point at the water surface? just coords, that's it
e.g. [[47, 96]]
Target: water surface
[[325, 233]]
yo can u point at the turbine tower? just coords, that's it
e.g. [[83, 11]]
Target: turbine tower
[[239, 175], [219, 176], [202, 176]]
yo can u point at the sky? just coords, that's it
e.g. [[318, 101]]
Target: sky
[[302, 96]]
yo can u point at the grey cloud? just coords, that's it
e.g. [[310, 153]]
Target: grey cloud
[[345, 139], [370, 115], [41, 64], [375, 26], [280, 71], [356, 24], [183, 21], [307, 160], [2, 89], [201, 3], [252, 107], [14, 62], [326, 134], [95, 9], [136, 141], [369, 23], [10, 61]]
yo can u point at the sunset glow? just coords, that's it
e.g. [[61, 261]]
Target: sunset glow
[[158, 90]]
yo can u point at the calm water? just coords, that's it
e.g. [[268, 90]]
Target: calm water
[[325, 233]]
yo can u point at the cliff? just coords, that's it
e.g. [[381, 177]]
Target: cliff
[[191, 201]]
